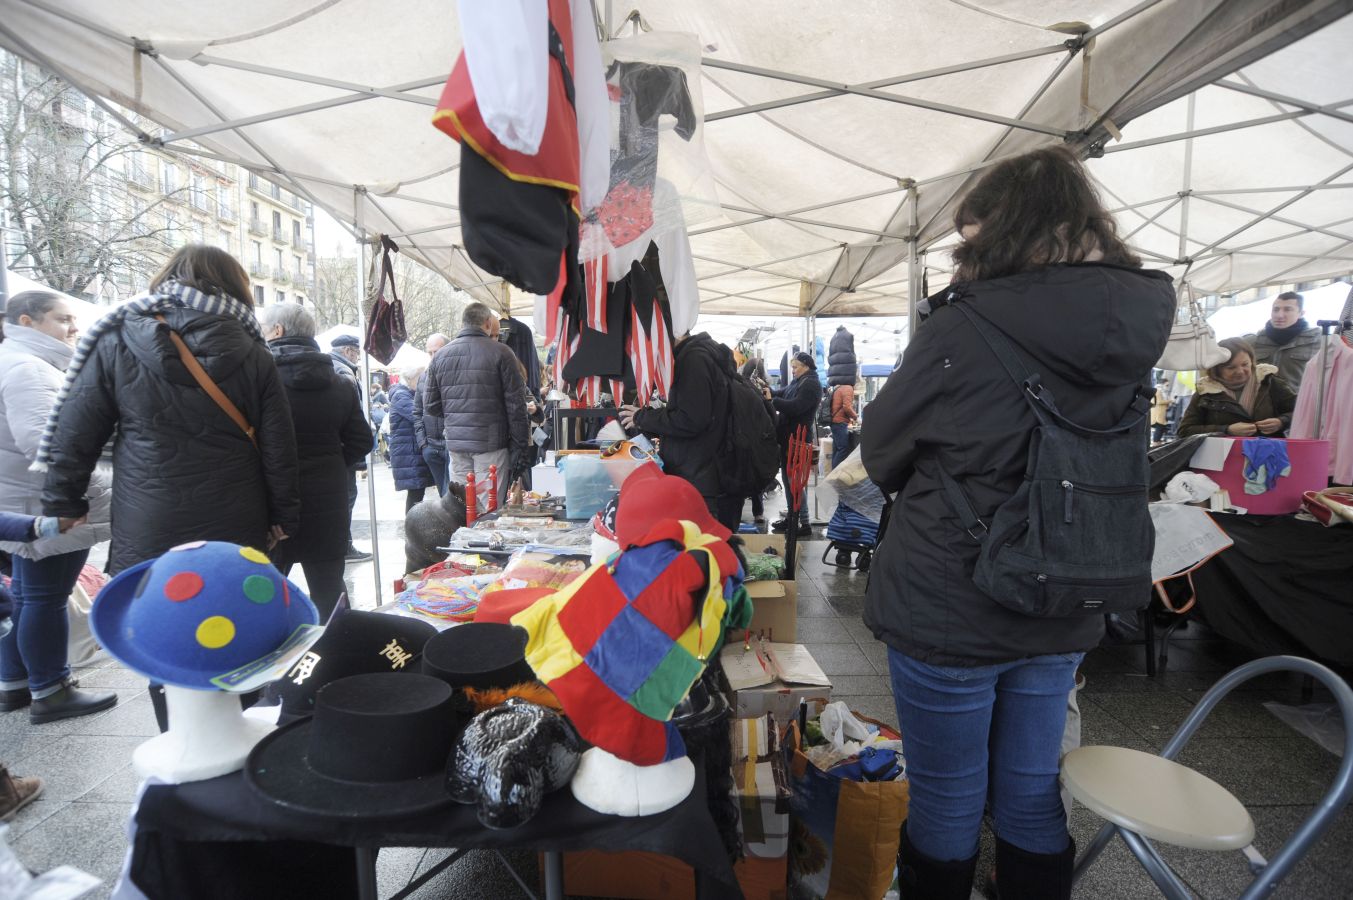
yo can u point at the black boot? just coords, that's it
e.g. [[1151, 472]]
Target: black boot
[[923, 878], [1021, 875], [68, 703], [15, 699]]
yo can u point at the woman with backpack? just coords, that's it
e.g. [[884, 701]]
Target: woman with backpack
[[981, 688]]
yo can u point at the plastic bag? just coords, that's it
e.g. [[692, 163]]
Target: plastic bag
[[661, 179], [539, 569], [1320, 722], [61, 883]]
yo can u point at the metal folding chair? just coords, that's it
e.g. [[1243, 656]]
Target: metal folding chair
[[1148, 798]]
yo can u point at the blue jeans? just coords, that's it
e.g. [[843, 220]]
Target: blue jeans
[[438, 462], [840, 442], [33, 653], [979, 736]]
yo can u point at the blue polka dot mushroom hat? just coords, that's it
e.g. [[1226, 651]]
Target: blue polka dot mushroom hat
[[202, 610]]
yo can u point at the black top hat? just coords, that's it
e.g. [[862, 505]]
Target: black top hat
[[480, 655], [354, 643], [375, 748]]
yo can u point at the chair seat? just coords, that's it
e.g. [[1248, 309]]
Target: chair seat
[[1157, 798]]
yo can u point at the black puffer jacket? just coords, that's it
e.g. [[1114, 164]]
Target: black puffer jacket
[[842, 364], [331, 435], [182, 470], [796, 406], [1092, 332], [474, 384], [692, 424]]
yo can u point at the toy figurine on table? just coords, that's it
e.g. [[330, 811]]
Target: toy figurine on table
[[208, 619]]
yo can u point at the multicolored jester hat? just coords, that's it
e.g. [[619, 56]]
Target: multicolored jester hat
[[622, 645]]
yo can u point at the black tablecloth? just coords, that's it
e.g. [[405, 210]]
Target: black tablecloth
[[217, 838], [1285, 587]]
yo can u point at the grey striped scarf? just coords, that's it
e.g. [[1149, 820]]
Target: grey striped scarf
[[167, 296]]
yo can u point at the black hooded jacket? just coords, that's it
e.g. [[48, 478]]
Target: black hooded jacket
[[182, 470], [331, 435], [692, 424], [1093, 332], [796, 407]]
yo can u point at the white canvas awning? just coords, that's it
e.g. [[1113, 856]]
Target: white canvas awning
[[839, 134]]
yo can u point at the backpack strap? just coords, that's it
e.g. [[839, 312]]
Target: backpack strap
[[1040, 398]]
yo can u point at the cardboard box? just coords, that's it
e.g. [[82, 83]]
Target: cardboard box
[[761, 787], [772, 678], [651, 876], [760, 543], [775, 611]]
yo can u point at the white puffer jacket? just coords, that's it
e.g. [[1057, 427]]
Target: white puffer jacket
[[32, 366]]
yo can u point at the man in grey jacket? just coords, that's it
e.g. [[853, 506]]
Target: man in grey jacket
[[1287, 341], [474, 383]]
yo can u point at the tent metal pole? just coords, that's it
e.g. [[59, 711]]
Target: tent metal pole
[[1203, 132], [193, 133], [211, 107], [762, 217], [1154, 216], [60, 71], [913, 262], [358, 192], [1279, 219], [801, 221], [1119, 19], [1188, 182], [887, 82], [1275, 190], [1329, 109], [395, 93], [882, 95], [1279, 208]]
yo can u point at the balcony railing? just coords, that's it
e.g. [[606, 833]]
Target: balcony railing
[[300, 243], [143, 178], [257, 227], [225, 212], [201, 201], [279, 234], [281, 275], [258, 269]]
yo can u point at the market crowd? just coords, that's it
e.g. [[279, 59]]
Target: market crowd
[[185, 414]]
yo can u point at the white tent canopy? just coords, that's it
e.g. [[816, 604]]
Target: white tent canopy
[[839, 134], [86, 312]]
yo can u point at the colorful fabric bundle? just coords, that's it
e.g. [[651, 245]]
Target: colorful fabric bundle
[[622, 645], [538, 569], [450, 599]]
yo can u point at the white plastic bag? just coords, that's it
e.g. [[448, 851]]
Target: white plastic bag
[[61, 883]]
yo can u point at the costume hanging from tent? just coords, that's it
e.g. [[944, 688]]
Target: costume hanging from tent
[[520, 209]]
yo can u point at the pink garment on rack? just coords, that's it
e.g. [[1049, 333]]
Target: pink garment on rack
[[1337, 425]]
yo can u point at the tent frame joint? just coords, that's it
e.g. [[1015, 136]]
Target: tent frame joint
[[145, 47]]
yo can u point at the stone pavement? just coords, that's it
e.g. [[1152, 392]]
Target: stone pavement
[[1279, 774]]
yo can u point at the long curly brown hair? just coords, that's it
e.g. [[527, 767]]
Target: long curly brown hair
[[1035, 209]]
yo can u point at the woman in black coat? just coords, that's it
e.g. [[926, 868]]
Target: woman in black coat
[[183, 469], [406, 460], [332, 435], [796, 408], [981, 690]]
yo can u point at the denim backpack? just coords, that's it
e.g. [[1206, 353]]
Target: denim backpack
[[1076, 538]]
